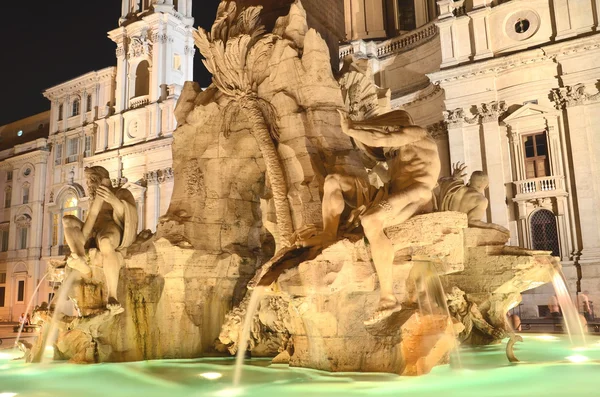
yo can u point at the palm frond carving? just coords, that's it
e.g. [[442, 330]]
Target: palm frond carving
[[236, 52]]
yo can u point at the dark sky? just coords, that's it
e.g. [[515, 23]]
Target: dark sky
[[44, 43]]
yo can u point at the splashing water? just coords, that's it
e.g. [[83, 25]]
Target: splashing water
[[244, 337], [428, 283], [52, 334], [569, 310], [28, 308]]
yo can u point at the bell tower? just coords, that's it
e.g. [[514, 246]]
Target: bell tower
[[155, 53]]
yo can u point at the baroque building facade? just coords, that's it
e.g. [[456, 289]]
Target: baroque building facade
[[121, 118], [510, 88]]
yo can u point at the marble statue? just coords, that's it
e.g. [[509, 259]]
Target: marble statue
[[411, 158], [469, 315], [112, 224], [454, 195]]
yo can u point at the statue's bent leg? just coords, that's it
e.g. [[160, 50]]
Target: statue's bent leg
[[72, 227], [399, 207], [108, 240], [337, 190]]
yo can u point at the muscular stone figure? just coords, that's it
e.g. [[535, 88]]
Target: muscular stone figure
[[469, 315], [413, 167], [470, 198], [111, 221]]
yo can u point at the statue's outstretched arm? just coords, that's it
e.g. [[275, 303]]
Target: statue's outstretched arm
[[372, 132]]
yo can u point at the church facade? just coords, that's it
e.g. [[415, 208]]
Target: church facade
[[121, 118], [510, 88]]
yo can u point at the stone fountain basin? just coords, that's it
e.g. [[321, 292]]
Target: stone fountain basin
[[546, 370]]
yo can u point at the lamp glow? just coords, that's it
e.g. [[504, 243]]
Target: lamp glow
[[211, 375], [577, 358]]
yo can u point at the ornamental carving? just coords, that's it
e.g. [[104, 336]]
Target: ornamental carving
[[438, 131], [118, 182], [189, 50], [161, 38], [159, 176], [120, 51], [140, 46], [454, 118], [575, 95], [491, 111], [23, 221]]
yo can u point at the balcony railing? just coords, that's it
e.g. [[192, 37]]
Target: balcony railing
[[396, 45], [139, 101], [541, 185]]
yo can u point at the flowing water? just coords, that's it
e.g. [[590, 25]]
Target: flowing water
[[28, 308], [52, 333], [428, 287], [244, 337], [571, 317], [550, 367]]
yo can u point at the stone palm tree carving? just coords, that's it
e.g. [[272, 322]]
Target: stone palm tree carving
[[237, 52]]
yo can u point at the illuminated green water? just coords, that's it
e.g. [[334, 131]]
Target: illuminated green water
[[546, 370]]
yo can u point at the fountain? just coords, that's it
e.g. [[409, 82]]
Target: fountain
[[282, 185]]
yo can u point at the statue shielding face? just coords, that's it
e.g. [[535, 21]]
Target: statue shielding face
[[93, 182]]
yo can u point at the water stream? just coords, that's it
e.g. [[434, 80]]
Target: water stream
[[28, 308], [244, 337], [50, 336], [428, 283], [570, 313]]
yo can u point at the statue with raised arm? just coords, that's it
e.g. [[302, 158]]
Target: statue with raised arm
[[111, 222], [470, 198], [411, 158]]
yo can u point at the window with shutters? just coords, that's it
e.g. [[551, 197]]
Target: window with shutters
[[88, 146], [537, 162], [58, 153], [72, 150]]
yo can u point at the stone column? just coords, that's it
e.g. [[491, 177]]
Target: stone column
[[495, 171], [584, 178], [473, 147], [121, 76]]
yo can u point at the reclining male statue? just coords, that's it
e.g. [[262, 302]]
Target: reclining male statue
[[413, 168], [470, 199], [112, 221]]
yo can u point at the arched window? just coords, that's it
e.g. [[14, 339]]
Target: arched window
[[142, 79], [544, 233], [23, 223], [75, 108], [69, 205], [406, 17]]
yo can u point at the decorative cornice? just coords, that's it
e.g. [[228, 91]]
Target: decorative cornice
[[574, 95], [485, 113], [549, 53], [159, 176]]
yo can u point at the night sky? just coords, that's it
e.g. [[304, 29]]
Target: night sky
[[45, 43]]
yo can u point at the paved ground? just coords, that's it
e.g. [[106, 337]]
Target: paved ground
[[8, 337]]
